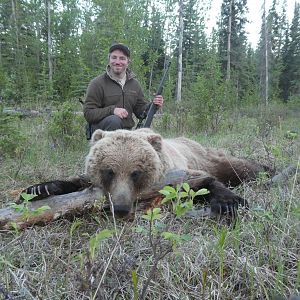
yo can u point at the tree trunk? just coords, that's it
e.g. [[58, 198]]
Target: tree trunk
[[14, 16], [266, 94], [179, 76], [229, 42], [50, 65]]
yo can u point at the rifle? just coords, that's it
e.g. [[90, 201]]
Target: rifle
[[146, 120]]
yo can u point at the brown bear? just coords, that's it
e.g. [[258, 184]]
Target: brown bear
[[126, 163]]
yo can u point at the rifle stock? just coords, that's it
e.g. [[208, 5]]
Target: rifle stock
[[153, 108]]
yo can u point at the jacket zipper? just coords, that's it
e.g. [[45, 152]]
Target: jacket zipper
[[123, 94]]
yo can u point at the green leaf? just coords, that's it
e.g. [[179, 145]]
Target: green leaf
[[39, 210], [169, 192], [28, 197], [186, 187], [140, 229], [179, 210], [156, 210], [183, 194], [147, 217], [165, 193], [192, 193], [182, 208], [186, 237], [175, 238], [153, 214], [165, 200], [188, 204], [170, 189], [15, 226], [18, 207], [291, 134], [202, 192], [135, 280], [96, 240], [75, 225], [170, 236]]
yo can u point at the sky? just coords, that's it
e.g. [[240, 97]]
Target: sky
[[254, 16]]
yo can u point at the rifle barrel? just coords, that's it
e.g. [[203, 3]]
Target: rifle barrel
[[153, 107]]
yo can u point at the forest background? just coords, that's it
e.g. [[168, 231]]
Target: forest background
[[50, 50]]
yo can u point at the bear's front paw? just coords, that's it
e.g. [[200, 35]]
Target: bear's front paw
[[40, 191], [223, 200], [46, 189], [227, 204]]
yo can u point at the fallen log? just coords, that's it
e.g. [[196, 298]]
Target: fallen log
[[78, 203], [59, 206], [282, 177], [31, 112]]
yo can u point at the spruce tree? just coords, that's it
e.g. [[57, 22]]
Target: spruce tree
[[290, 76], [232, 32]]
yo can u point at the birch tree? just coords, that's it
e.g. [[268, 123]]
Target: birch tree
[[229, 41], [232, 44], [49, 40], [179, 61], [266, 56]]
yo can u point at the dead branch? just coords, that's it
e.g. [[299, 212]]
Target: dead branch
[[31, 113], [62, 205], [283, 176]]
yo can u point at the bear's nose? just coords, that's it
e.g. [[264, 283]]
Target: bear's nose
[[122, 210]]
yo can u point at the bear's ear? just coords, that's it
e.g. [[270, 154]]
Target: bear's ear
[[156, 141], [97, 135]]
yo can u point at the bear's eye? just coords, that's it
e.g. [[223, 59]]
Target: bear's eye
[[107, 175], [136, 175]]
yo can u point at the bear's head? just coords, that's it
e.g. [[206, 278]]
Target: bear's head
[[124, 163]]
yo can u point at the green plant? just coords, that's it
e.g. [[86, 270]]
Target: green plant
[[135, 280], [262, 177], [161, 240], [291, 135], [181, 198], [96, 240], [24, 208], [11, 139], [66, 128], [87, 259], [220, 247]]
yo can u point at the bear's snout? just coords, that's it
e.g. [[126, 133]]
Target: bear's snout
[[122, 210], [122, 196]]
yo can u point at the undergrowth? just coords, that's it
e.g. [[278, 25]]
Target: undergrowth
[[99, 257]]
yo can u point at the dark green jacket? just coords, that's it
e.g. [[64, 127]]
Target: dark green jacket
[[105, 94]]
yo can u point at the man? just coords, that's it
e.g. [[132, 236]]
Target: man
[[113, 98]]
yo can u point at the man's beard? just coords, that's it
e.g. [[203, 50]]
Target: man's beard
[[119, 71]]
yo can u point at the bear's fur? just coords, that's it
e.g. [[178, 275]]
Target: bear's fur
[[125, 163]]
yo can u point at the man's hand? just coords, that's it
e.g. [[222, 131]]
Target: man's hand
[[121, 112], [158, 100]]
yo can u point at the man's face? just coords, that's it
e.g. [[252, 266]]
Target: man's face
[[118, 62]]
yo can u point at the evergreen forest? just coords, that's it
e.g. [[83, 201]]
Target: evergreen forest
[[50, 50]]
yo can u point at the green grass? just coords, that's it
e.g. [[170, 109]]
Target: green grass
[[256, 259]]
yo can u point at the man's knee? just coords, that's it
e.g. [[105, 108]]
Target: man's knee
[[112, 123], [109, 123]]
